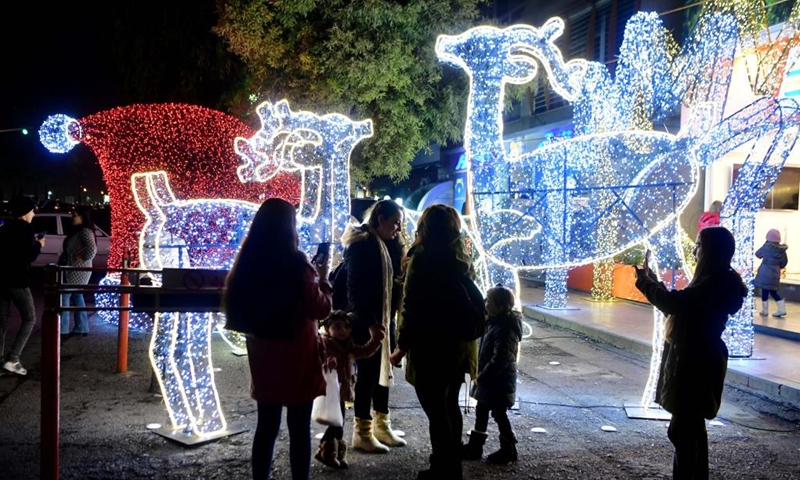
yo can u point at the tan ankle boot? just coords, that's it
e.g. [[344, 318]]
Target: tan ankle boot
[[382, 429], [341, 453], [327, 454], [364, 440]]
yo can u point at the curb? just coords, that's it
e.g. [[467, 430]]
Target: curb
[[775, 388]]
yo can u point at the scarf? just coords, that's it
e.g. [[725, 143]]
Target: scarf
[[386, 379]]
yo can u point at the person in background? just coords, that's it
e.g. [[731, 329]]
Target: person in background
[[695, 359], [19, 246], [496, 385], [371, 250], [768, 278], [276, 297], [342, 352], [438, 359], [710, 218], [79, 250]]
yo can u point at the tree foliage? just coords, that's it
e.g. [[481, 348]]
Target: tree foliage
[[166, 52], [366, 59]]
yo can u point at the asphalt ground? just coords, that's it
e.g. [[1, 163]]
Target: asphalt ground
[[569, 389]]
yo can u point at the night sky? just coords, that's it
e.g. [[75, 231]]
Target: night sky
[[55, 61]]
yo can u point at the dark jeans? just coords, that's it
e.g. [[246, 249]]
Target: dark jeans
[[23, 300], [298, 419], [439, 400], [500, 416], [766, 293], [687, 432], [335, 433], [369, 393]]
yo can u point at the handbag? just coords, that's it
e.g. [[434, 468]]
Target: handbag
[[327, 409]]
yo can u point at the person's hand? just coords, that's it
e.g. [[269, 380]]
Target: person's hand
[[396, 357], [645, 270], [331, 363], [42, 241], [378, 332], [322, 264]]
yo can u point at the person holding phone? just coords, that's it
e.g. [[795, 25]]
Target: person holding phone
[[19, 246], [275, 297], [694, 362]]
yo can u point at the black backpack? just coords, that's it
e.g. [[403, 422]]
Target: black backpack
[[338, 278], [470, 312]]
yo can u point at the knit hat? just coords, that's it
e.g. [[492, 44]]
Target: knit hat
[[20, 205], [774, 236]]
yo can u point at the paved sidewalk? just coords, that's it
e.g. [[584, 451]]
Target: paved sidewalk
[[774, 369]]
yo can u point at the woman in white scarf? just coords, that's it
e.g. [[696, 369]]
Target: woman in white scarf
[[370, 251]]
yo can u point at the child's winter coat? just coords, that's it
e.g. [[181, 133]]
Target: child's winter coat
[[774, 258], [346, 352], [497, 361]]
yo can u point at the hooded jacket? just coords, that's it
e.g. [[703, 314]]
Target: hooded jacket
[[497, 361], [695, 359], [774, 258]]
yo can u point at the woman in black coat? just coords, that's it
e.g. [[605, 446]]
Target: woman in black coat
[[694, 361], [371, 252]]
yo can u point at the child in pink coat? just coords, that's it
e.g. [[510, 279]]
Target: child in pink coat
[[342, 352]]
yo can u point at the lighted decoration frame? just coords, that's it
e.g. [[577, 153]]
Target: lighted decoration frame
[[207, 233], [192, 144], [617, 183]]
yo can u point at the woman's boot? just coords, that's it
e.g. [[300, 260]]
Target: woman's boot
[[341, 453], [327, 454], [781, 309], [364, 440], [474, 449], [507, 452], [382, 429]]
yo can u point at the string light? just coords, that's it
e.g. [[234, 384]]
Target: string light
[[618, 182], [318, 148]]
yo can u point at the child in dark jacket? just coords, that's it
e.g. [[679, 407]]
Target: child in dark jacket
[[342, 351], [768, 279], [496, 385]]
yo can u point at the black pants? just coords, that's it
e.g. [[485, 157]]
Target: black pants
[[500, 416], [439, 400], [298, 419], [370, 395], [687, 432], [335, 433], [766, 293]]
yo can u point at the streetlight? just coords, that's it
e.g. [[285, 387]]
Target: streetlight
[[7, 130]]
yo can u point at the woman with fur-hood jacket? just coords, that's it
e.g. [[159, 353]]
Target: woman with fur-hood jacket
[[695, 359], [371, 250]]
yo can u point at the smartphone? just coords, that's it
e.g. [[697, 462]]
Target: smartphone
[[323, 250], [41, 235]]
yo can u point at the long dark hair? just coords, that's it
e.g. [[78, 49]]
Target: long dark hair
[[718, 246], [263, 290], [439, 229], [85, 212], [396, 246]]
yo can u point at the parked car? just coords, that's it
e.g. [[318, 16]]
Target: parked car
[[56, 226]]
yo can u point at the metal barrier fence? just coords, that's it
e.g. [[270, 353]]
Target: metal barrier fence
[[158, 299]]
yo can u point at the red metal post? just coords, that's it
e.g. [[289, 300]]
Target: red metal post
[[51, 372], [122, 341]]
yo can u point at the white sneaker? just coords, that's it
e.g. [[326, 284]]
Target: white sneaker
[[14, 367]]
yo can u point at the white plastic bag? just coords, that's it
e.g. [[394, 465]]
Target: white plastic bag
[[327, 409]]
